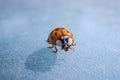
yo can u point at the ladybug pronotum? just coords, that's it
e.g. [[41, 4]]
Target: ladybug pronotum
[[61, 37]]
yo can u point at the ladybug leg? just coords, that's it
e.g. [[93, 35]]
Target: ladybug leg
[[51, 46], [56, 50], [73, 44], [72, 48]]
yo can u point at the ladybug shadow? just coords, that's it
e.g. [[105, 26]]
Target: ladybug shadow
[[41, 60]]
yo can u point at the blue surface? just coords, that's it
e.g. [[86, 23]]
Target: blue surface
[[25, 26]]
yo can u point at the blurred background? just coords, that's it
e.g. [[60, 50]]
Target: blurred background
[[26, 24]]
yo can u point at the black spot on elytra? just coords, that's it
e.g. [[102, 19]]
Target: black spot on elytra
[[55, 33], [52, 37]]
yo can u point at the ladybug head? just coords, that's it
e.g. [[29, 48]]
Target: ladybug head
[[65, 43]]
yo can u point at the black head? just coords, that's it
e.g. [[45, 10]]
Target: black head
[[65, 44]]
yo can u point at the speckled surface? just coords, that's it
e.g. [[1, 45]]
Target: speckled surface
[[25, 26]]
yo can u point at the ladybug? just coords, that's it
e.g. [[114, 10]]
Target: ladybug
[[61, 37]]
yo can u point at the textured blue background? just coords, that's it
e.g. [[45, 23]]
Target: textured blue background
[[26, 24]]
